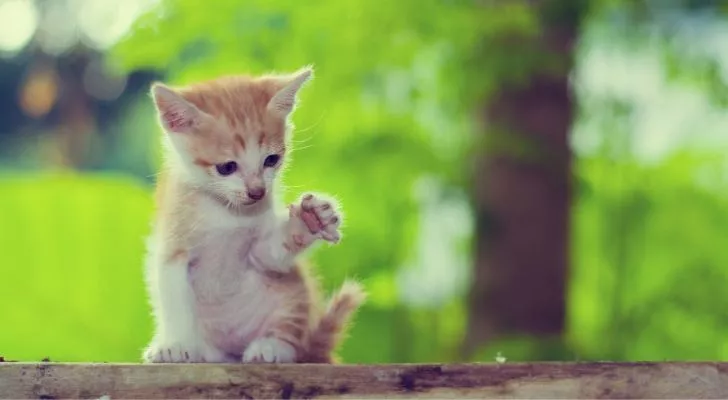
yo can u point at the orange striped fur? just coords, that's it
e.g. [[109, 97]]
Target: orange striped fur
[[223, 270]]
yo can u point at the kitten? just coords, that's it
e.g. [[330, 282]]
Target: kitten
[[222, 271]]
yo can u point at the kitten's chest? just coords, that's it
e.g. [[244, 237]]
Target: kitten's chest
[[218, 267]]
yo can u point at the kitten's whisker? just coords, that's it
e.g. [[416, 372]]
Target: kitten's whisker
[[285, 187], [315, 124], [297, 148], [298, 140]]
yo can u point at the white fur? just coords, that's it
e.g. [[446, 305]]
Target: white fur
[[221, 306], [214, 311], [177, 337], [269, 350]]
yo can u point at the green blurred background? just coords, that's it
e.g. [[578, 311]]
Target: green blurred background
[[536, 180]]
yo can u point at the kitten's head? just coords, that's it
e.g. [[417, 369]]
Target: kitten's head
[[230, 134]]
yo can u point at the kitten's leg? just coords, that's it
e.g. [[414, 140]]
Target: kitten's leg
[[177, 337], [315, 217]]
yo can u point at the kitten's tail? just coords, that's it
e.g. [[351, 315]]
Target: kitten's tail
[[326, 335]]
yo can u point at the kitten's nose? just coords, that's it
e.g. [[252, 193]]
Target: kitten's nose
[[256, 193]]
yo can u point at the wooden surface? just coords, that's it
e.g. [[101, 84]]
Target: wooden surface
[[509, 380]]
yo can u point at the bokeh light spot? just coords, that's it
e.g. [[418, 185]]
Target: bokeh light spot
[[18, 22]]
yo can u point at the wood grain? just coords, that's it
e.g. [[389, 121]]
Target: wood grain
[[702, 380]]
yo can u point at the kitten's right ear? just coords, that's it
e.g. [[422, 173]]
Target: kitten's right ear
[[284, 101], [175, 113]]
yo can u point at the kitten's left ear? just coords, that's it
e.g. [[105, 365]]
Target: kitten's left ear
[[284, 101], [175, 113]]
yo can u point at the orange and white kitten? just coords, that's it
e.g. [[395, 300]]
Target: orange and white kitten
[[222, 270]]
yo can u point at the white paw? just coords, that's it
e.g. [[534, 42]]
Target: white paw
[[269, 350], [317, 218], [181, 352]]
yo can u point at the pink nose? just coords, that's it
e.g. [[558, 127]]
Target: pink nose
[[256, 193]]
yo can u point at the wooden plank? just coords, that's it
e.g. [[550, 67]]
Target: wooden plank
[[701, 380]]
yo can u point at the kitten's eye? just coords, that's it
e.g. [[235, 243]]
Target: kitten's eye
[[271, 160], [227, 168]]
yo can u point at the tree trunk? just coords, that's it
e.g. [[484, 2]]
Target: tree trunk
[[522, 198]]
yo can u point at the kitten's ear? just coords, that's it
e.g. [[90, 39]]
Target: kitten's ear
[[175, 113], [284, 101]]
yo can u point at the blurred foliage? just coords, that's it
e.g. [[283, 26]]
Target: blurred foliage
[[393, 105], [71, 284], [648, 261], [649, 273]]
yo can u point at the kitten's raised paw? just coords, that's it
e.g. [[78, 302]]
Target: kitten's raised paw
[[320, 219], [269, 350]]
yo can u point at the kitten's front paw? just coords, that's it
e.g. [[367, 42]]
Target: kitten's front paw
[[317, 218], [269, 350], [179, 352], [170, 353]]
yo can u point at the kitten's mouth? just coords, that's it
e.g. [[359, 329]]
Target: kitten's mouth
[[234, 202], [246, 201]]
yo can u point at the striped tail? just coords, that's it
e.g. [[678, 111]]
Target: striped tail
[[326, 336]]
